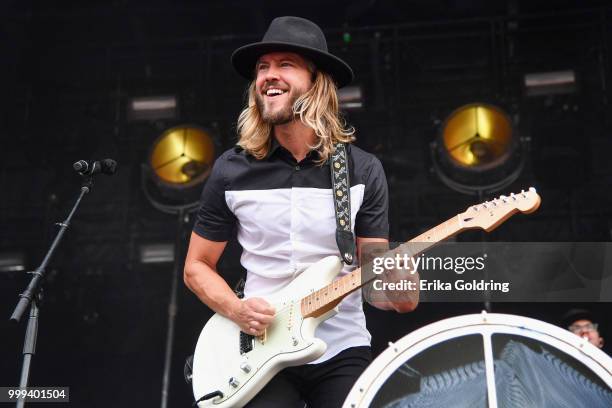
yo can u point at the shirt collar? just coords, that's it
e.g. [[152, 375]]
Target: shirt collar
[[274, 145], [277, 148]]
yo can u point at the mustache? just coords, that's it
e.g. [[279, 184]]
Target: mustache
[[273, 84]]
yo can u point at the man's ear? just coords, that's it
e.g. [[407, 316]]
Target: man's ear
[[601, 342]]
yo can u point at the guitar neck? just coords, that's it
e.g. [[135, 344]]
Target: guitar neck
[[486, 216], [326, 298]]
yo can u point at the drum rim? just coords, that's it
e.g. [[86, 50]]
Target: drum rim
[[489, 323]]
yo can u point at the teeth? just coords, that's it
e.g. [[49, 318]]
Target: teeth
[[274, 91]]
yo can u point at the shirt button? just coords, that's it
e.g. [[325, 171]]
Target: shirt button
[[297, 167]]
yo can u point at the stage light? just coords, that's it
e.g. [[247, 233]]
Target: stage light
[[477, 149], [152, 108], [350, 97], [157, 253], [549, 83], [179, 162], [12, 262], [182, 156], [476, 136]]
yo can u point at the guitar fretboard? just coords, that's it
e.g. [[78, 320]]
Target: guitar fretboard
[[329, 296]]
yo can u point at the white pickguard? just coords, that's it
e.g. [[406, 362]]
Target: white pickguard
[[289, 341]]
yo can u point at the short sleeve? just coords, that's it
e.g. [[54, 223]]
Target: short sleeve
[[372, 220], [214, 220]]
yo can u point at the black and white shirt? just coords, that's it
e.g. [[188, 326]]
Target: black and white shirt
[[283, 214]]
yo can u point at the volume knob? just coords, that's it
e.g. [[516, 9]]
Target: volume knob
[[245, 367], [234, 382]]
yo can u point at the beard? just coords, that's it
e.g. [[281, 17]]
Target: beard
[[280, 116]]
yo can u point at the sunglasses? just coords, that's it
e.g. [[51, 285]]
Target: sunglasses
[[577, 328]]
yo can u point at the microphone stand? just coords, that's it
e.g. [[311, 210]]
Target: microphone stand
[[33, 293]]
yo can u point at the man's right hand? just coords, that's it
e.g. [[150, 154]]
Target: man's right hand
[[253, 315]]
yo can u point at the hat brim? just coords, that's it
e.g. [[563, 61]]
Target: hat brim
[[245, 57]]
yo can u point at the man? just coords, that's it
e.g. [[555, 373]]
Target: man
[[274, 188], [582, 323]]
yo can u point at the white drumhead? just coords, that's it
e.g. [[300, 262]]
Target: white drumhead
[[484, 359]]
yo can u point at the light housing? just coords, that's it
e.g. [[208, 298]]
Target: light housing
[[12, 262], [549, 83], [152, 108], [156, 253], [350, 97], [182, 156], [477, 149], [179, 162]]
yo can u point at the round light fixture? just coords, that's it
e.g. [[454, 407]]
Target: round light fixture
[[179, 162], [477, 136], [182, 156], [477, 149]]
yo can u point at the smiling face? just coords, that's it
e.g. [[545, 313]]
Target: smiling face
[[281, 78]]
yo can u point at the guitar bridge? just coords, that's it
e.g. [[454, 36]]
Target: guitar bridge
[[264, 337]]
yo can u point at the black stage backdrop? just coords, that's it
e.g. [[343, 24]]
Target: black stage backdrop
[[69, 70]]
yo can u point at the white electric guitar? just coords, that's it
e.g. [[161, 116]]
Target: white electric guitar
[[231, 367]]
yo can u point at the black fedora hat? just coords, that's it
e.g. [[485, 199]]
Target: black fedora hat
[[297, 35]]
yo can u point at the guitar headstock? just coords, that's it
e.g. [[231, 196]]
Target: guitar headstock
[[490, 214]]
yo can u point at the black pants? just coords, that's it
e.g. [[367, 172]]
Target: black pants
[[324, 385]]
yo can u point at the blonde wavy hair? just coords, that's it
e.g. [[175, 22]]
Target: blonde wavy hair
[[317, 109]]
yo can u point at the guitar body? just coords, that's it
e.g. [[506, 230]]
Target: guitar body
[[238, 365]]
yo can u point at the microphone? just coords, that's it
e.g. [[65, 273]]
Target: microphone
[[106, 166]]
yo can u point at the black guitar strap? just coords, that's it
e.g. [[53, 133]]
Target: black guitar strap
[[341, 189]]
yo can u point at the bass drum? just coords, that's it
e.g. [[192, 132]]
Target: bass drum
[[487, 360]]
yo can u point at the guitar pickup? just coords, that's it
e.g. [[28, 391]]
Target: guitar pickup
[[246, 342]]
